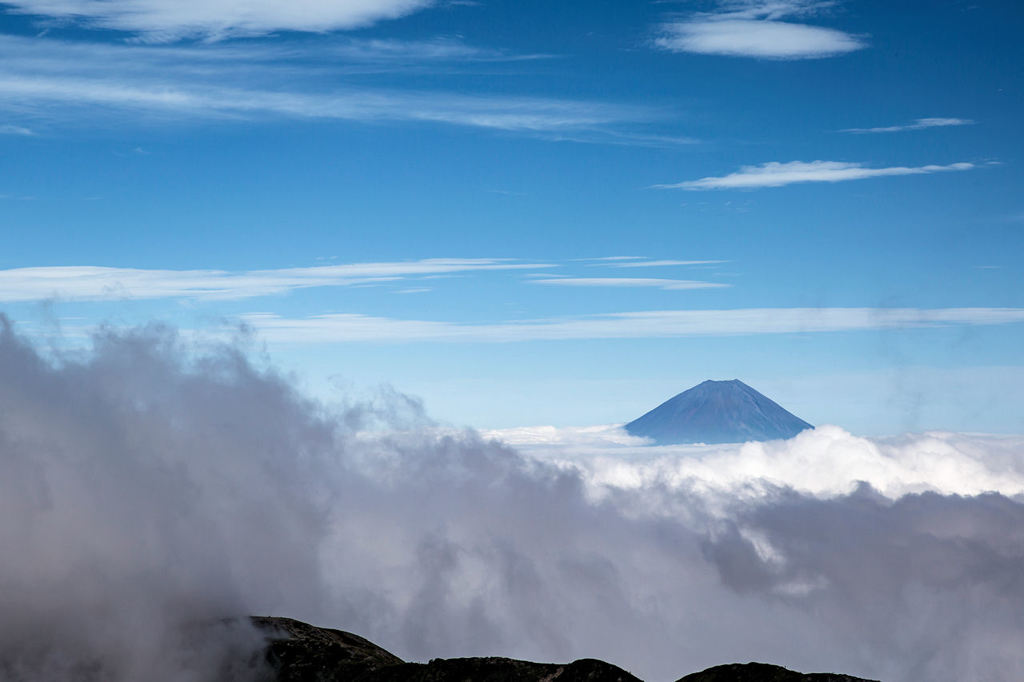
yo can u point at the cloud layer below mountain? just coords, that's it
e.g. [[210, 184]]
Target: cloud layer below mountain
[[148, 483]]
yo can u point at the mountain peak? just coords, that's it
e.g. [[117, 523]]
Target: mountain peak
[[726, 411]]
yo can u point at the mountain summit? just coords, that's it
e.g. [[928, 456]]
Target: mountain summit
[[717, 412]]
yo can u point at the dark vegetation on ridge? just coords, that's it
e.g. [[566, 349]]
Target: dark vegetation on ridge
[[298, 652], [717, 412], [762, 672]]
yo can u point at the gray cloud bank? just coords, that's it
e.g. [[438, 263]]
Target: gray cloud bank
[[148, 483]]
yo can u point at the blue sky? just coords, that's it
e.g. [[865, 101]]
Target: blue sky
[[533, 212]]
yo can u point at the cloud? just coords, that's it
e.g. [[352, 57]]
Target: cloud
[[15, 130], [168, 20], [93, 283], [148, 484], [350, 327], [612, 258], [409, 53], [776, 174], [766, 39], [503, 113], [641, 262], [666, 263], [752, 29], [825, 462], [667, 284], [82, 83], [118, 541], [919, 124]]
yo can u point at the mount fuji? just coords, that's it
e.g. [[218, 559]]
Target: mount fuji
[[717, 412]]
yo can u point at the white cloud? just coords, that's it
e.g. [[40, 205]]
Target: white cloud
[[512, 114], [583, 440], [753, 29], [612, 258], [166, 20], [93, 283], [641, 262], [777, 174], [668, 284], [919, 124], [756, 38], [83, 82], [666, 263], [350, 327], [825, 461], [410, 52]]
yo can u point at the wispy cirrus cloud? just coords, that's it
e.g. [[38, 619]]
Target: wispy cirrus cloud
[[408, 52], [501, 113], [92, 283], [612, 258], [76, 83], [167, 20], [641, 262], [664, 263], [918, 124], [752, 28], [349, 327], [776, 174], [16, 130], [629, 282]]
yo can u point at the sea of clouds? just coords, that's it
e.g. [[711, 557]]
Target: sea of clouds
[[151, 486]]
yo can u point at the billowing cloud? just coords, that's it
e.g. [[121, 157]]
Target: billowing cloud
[[353, 327], [167, 20], [148, 486], [825, 461], [93, 283], [919, 124], [753, 29], [776, 174]]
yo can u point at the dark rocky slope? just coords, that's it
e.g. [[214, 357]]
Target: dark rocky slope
[[298, 652]]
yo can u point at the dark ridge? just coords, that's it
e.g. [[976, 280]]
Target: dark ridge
[[502, 670], [717, 412], [298, 652], [762, 672]]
